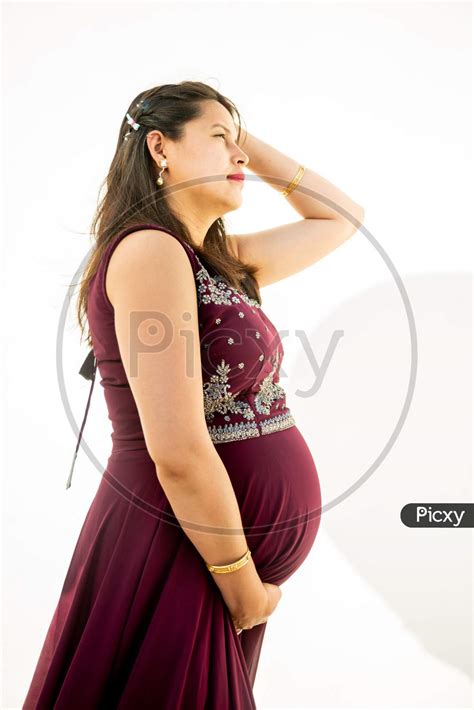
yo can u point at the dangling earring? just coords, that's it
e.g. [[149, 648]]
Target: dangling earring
[[164, 164]]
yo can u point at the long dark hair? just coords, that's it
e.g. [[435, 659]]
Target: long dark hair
[[133, 197]]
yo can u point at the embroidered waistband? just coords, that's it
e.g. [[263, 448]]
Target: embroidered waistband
[[249, 430]]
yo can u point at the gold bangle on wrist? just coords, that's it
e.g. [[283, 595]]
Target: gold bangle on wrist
[[223, 569], [294, 182]]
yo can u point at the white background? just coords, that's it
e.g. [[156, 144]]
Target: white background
[[376, 98]]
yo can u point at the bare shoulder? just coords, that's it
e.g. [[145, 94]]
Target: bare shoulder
[[145, 254], [154, 295]]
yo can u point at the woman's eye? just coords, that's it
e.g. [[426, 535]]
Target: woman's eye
[[219, 135]]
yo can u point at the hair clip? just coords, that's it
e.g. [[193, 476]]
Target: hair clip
[[143, 104], [132, 122]]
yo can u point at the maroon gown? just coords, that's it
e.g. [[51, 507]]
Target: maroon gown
[[140, 622]]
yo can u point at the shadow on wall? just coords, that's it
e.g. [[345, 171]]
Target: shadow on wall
[[351, 411]]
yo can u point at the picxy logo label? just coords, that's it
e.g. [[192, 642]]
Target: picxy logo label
[[438, 515]]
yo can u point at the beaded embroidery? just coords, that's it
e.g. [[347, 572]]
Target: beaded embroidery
[[235, 432], [218, 399], [269, 391], [215, 289], [277, 423]]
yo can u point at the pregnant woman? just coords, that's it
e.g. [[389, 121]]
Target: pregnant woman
[[210, 499]]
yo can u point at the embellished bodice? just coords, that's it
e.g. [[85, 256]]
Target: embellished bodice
[[241, 354]]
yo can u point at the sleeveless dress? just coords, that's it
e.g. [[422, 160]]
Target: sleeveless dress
[[140, 622]]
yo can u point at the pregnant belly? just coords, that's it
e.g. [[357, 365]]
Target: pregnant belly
[[277, 487]]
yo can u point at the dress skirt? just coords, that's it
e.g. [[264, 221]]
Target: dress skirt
[[140, 622]]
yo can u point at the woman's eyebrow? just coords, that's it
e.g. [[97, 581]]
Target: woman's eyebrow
[[221, 125]]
